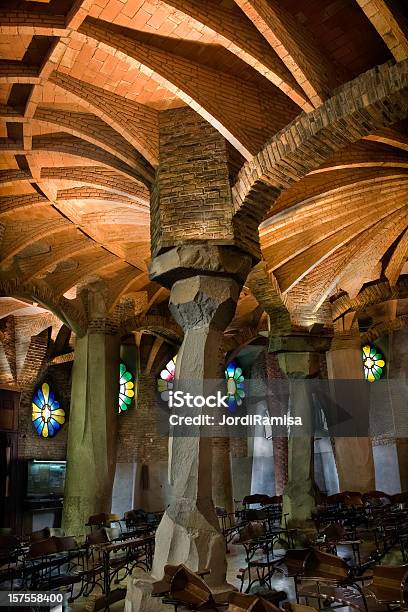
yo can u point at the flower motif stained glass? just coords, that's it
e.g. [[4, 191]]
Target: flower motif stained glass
[[165, 382], [235, 385], [47, 416], [126, 388], [374, 363]]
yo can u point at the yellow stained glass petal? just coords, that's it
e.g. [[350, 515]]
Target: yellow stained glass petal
[[130, 393], [366, 350], [58, 412], [59, 418], [380, 363], [35, 408], [370, 376], [46, 391], [129, 385], [45, 431]]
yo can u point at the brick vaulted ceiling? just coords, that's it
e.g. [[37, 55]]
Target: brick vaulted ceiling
[[82, 83]]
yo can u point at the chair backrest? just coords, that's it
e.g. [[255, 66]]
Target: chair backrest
[[333, 532], [43, 548], [39, 536], [376, 498], [391, 577], [239, 602], [188, 588], [399, 498], [353, 499], [256, 498], [99, 536], [318, 563], [65, 543], [295, 559], [98, 519]]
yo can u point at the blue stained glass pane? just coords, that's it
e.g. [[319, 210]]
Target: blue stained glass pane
[[37, 401], [55, 405]]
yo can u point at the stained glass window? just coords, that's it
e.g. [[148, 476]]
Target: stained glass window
[[233, 376], [126, 388], [47, 416], [235, 385], [165, 382], [374, 363]]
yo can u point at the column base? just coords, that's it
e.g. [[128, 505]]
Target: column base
[[139, 594], [299, 501], [189, 534]]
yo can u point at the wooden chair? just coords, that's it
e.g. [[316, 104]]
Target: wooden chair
[[238, 602], [10, 559], [376, 498], [388, 587], [334, 535], [181, 587]]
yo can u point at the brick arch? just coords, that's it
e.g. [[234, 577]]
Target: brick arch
[[97, 175], [94, 130], [233, 344], [385, 327], [72, 315], [162, 326], [63, 142], [375, 99], [373, 293]]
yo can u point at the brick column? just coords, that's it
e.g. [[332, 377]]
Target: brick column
[[91, 452], [280, 444], [354, 456]]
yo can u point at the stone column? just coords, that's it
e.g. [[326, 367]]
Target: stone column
[[354, 456], [299, 498], [280, 444], [91, 453], [189, 532]]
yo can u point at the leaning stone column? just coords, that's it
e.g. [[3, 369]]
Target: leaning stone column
[[189, 531], [91, 453], [354, 456], [299, 498]]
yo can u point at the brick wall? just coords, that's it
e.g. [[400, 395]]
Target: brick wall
[[30, 445], [138, 437]]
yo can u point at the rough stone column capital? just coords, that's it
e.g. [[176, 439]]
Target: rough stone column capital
[[200, 258], [203, 301]]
